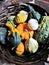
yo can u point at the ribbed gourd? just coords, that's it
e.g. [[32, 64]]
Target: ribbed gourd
[[14, 39]]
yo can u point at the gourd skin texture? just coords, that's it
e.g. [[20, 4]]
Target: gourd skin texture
[[24, 31], [31, 45], [20, 49], [33, 23], [11, 20], [20, 18], [24, 12], [14, 39], [3, 33], [43, 30]]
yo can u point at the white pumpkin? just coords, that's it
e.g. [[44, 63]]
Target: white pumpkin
[[33, 45], [33, 23]]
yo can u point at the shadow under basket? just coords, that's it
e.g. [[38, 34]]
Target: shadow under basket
[[26, 58]]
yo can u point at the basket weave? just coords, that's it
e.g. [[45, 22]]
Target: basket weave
[[24, 59]]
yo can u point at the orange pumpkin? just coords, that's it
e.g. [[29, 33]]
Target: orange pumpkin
[[20, 49], [20, 28], [25, 35], [24, 31]]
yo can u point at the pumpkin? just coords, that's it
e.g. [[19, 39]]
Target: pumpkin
[[20, 49], [24, 12], [25, 35], [20, 28], [33, 23], [31, 45], [25, 31], [20, 18]]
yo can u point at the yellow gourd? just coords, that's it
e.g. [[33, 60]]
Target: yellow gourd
[[20, 18], [12, 29], [20, 49]]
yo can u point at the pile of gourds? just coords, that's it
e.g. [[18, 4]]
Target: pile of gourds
[[24, 34], [20, 31]]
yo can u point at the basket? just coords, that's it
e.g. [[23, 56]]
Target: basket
[[30, 58]]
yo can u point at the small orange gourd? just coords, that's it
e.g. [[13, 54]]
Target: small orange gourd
[[20, 49], [24, 31]]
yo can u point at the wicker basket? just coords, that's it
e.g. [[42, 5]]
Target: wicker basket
[[24, 59]]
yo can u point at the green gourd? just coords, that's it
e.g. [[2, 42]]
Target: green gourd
[[32, 13], [11, 20], [14, 39], [3, 33], [43, 30]]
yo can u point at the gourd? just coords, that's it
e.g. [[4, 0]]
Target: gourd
[[43, 30], [3, 33], [11, 20], [31, 45], [20, 49], [11, 27], [24, 31], [21, 17], [36, 14], [14, 39], [33, 23], [24, 12]]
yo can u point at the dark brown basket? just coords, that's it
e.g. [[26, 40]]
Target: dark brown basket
[[41, 55]]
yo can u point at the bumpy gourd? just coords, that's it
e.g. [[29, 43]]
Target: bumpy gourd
[[43, 30], [14, 37]]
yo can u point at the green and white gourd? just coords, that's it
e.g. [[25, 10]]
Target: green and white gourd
[[32, 45]]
